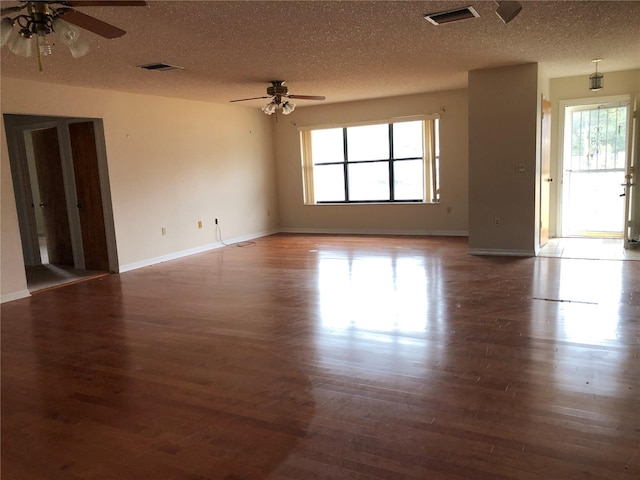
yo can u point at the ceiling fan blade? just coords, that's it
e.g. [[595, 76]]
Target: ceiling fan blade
[[92, 24], [105, 3], [245, 99], [6, 10], [308, 97]]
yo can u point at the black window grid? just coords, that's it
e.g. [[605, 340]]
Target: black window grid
[[391, 161]]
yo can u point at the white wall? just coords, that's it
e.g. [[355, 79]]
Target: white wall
[[504, 124], [448, 217], [171, 163]]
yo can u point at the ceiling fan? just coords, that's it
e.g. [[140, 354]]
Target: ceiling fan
[[280, 96], [42, 18]]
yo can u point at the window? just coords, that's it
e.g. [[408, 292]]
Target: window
[[388, 162]]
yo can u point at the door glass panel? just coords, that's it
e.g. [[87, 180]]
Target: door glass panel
[[595, 205]]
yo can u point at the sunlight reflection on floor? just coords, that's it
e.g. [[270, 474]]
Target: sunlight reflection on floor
[[373, 293], [593, 248], [584, 297]]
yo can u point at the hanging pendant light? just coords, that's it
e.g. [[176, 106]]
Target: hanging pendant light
[[596, 82]]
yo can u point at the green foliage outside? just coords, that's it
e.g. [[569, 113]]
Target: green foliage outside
[[599, 138]]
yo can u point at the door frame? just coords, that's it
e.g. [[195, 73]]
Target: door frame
[[578, 102], [19, 151], [545, 177], [16, 126], [632, 204]]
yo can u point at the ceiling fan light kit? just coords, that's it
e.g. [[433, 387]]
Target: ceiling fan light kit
[[43, 18], [70, 35], [288, 107], [270, 108], [280, 97], [6, 29], [19, 42]]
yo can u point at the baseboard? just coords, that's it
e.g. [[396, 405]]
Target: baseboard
[[10, 297], [501, 252], [368, 231], [191, 251]]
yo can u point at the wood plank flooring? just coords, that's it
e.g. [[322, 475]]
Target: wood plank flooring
[[318, 357], [590, 248], [43, 277]]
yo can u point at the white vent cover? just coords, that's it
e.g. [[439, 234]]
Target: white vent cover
[[452, 15], [163, 67]]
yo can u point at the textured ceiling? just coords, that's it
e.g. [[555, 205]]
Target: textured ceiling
[[345, 50]]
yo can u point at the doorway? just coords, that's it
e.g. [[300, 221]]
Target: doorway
[[63, 198], [49, 197], [595, 160]]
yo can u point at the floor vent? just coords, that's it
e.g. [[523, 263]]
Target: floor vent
[[163, 67], [452, 15]]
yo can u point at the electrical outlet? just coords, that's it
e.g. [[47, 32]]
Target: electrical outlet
[[164, 230], [216, 221], [199, 223], [497, 221]]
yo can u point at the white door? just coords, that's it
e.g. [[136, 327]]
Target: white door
[[632, 214], [595, 164]]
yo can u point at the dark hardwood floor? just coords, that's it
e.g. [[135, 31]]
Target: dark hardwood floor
[[318, 357]]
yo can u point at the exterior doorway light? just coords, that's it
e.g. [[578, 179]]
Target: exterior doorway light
[[596, 80]]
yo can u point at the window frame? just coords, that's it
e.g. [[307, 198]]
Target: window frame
[[430, 161]]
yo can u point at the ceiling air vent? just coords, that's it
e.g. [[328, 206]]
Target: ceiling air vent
[[451, 15], [163, 67]]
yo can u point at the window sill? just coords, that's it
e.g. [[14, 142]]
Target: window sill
[[369, 203]]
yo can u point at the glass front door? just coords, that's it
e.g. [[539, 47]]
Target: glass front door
[[595, 154]]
